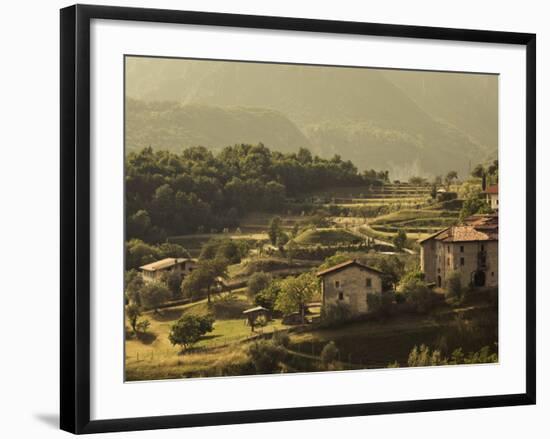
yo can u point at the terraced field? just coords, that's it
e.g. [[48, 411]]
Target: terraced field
[[327, 236], [414, 221]]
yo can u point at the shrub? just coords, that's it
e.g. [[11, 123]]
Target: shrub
[[447, 196], [143, 326], [258, 282], [266, 356], [329, 354], [454, 286], [423, 357], [335, 314], [399, 298], [281, 338], [418, 295], [400, 240], [380, 303]]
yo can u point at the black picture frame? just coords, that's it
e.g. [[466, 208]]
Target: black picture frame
[[75, 217]]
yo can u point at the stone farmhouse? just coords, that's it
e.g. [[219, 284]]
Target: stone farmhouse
[[350, 283], [491, 196], [470, 249], [156, 270]]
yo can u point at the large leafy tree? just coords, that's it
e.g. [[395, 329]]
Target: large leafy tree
[[154, 294], [189, 329], [295, 293], [205, 278]]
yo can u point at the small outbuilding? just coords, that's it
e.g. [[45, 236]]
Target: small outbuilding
[[252, 315]]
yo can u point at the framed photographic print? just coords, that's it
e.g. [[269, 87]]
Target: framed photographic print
[[269, 218]]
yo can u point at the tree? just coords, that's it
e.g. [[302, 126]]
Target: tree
[[173, 282], [268, 296], [139, 253], [274, 229], [274, 196], [472, 206], [142, 326], [450, 177], [133, 313], [138, 224], [204, 278], [222, 249], [295, 293], [153, 294], [479, 171], [433, 192], [492, 171], [134, 284], [392, 268], [229, 250], [400, 240], [329, 355], [189, 329], [258, 282], [290, 251], [172, 250]]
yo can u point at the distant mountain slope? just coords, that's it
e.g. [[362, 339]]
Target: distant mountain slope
[[407, 122], [172, 126], [468, 102]]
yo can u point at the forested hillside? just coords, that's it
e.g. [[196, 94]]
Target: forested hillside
[[173, 126], [168, 194]]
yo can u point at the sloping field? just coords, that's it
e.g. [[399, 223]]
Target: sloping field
[[329, 236], [414, 221]]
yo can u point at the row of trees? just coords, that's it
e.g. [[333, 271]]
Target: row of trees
[[198, 190]]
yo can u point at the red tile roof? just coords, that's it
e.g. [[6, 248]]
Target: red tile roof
[[493, 189], [345, 265], [474, 228]]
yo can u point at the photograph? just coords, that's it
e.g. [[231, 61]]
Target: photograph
[[298, 218]]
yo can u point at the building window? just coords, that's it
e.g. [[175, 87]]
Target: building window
[[369, 282], [448, 262], [337, 283], [448, 249], [461, 249], [492, 273], [439, 270], [482, 247], [462, 261], [340, 296]]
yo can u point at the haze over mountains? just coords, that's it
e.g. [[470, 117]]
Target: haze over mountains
[[411, 123]]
